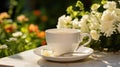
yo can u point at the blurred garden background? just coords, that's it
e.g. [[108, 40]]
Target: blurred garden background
[[41, 12], [23, 22]]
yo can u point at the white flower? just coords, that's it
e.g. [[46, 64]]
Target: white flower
[[117, 11], [108, 16], [94, 22], [111, 5], [118, 28], [83, 24], [64, 22], [12, 39], [3, 46], [94, 26], [17, 34], [9, 20], [94, 34], [107, 22], [119, 2], [75, 23], [107, 28], [48, 53], [85, 18]]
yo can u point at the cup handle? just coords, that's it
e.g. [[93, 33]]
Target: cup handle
[[84, 35], [81, 40]]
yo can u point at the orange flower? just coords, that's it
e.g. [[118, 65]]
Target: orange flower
[[41, 34], [1, 21], [37, 12], [44, 18], [4, 15], [9, 28], [43, 43], [22, 18], [33, 28]]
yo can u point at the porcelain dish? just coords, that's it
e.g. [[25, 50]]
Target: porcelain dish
[[87, 52]]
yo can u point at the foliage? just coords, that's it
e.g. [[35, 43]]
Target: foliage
[[18, 35]]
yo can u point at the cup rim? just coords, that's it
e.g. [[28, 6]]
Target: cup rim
[[62, 29]]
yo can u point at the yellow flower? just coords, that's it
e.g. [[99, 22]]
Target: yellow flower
[[95, 6]]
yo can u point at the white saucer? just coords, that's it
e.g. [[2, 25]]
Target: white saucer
[[87, 51]]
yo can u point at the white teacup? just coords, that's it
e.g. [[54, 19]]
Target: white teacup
[[64, 40]]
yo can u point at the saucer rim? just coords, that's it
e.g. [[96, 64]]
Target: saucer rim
[[62, 59]]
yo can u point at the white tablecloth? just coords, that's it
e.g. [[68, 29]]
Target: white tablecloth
[[29, 59]]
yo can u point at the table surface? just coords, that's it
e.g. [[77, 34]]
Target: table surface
[[29, 59]]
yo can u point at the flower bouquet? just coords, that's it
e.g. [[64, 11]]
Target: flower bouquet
[[102, 22]]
